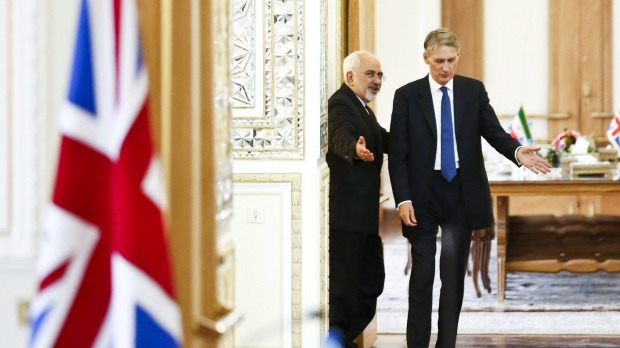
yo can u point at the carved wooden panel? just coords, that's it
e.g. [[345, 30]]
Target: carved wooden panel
[[547, 243]]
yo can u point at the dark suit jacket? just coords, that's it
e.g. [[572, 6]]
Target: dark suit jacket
[[413, 136], [354, 184]]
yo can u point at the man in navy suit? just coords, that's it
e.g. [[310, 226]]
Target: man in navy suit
[[355, 155], [439, 179]]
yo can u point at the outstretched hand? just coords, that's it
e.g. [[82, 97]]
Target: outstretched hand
[[362, 152], [529, 157]]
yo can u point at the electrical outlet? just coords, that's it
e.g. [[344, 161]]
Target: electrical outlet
[[255, 215], [23, 307]]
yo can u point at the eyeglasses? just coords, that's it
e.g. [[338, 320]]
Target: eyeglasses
[[372, 74]]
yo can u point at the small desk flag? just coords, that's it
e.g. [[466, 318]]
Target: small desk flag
[[613, 132], [520, 129]]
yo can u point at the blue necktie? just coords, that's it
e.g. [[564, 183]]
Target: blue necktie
[[448, 162]]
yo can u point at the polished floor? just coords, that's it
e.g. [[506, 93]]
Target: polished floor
[[467, 341], [390, 233]]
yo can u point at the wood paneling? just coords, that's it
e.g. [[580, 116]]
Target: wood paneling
[[580, 62], [575, 243], [465, 19], [178, 38], [596, 64], [149, 14], [361, 25]]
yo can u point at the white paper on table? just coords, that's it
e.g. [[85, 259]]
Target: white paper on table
[[586, 159], [581, 146]]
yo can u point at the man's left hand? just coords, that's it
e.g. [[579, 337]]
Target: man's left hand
[[362, 152], [529, 157]]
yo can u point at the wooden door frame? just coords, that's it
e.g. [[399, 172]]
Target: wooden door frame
[[178, 37]]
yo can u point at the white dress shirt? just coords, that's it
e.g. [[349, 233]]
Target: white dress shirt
[[437, 95]]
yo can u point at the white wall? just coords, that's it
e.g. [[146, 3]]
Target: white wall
[[401, 26], [516, 55], [37, 45], [516, 59], [263, 264], [18, 285]]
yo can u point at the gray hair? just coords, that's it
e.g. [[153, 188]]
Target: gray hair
[[352, 62], [441, 37]]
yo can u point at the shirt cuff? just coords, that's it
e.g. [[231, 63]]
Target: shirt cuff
[[516, 159], [403, 202]]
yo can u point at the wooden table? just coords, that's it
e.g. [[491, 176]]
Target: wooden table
[[505, 186]]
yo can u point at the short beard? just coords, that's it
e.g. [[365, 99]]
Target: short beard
[[370, 96]]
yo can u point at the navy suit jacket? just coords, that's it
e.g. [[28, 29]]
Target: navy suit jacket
[[413, 139], [354, 184]]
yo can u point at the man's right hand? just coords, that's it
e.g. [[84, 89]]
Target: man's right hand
[[407, 214], [362, 152]]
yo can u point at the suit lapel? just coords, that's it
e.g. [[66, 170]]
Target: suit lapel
[[426, 104], [459, 96], [374, 128], [374, 141], [368, 119]]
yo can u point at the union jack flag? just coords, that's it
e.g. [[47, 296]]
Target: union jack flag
[[104, 274], [613, 132]]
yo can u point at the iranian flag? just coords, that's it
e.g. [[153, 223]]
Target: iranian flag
[[519, 128]]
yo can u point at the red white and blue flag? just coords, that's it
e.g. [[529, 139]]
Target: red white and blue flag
[[520, 128], [613, 132], [104, 272]]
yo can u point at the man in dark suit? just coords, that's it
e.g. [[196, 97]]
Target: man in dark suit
[[355, 156], [439, 179]]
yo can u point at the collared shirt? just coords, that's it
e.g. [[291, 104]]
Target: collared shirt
[[363, 103], [437, 95]]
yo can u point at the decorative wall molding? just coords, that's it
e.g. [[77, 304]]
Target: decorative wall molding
[[279, 132], [5, 113], [296, 286], [324, 42], [324, 249], [22, 93], [222, 117], [243, 32]]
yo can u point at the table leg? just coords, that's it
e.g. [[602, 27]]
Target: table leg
[[502, 234], [409, 263], [476, 253], [487, 239]]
